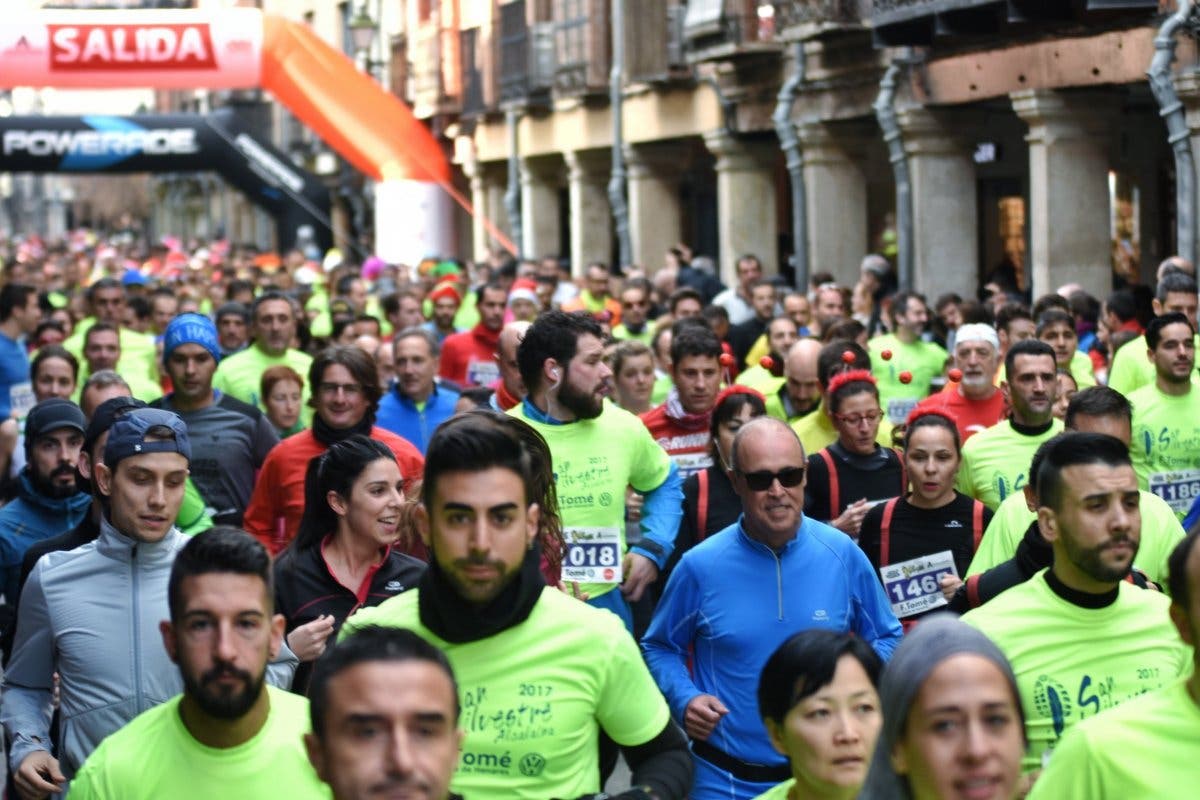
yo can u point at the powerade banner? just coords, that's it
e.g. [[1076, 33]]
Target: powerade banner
[[172, 143]]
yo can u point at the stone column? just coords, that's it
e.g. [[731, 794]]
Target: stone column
[[837, 203], [540, 180], [487, 198], [746, 215], [945, 218], [591, 218], [1068, 189], [654, 209]]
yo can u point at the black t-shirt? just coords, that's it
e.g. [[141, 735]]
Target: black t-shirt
[[916, 532], [879, 476]]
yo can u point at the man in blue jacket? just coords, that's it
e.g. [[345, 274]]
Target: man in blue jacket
[[48, 502], [416, 404], [738, 595]]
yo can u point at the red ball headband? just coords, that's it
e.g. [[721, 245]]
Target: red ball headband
[[842, 378]]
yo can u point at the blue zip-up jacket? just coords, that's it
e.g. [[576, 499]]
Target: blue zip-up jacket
[[734, 600], [401, 416], [30, 518]]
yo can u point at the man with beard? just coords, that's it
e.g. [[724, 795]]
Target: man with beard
[[541, 676], [800, 394], [1166, 415], [228, 734], [598, 450], [975, 402], [91, 614], [48, 502], [995, 460], [446, 300], [682, 424], [1147, 748], [1080, 638]]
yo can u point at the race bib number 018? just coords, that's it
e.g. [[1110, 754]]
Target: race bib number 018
[[593, 555], [1178, 488], [914, 586]]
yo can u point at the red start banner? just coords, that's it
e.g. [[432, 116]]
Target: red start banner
[[131, 47]]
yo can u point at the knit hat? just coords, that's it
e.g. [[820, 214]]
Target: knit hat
[[127, 437], [191, 328], [523, 289], [52, 414], [933, 640]]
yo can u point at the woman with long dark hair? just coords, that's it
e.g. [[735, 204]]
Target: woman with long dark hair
[[343, 557]]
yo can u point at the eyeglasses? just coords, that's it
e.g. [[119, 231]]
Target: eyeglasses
[[854, 420], [788, 477], [350, 389]]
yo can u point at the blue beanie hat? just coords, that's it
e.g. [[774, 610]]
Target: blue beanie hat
[[191, 329]]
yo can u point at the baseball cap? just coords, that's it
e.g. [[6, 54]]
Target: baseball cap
[[127, 437], [105, 415], [52, 414]]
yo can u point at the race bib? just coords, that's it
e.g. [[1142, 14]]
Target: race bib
[[593, 555], [21, 398], [914, 586], [691, 463], [1178, 488], [482, 373], [899, 408]]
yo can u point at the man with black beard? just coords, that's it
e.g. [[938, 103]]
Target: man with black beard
[[48, 502], [598, 449], [1081, 639], [228, 734]]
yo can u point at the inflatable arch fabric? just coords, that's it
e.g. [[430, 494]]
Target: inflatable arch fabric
[[244, 48]]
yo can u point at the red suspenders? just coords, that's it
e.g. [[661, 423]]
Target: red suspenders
[[702, 505]]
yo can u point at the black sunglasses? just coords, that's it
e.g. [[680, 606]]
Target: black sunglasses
[[788, 477]]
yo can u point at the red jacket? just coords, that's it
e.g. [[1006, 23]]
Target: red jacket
[[687, 445], [273, 515], [469, 358]]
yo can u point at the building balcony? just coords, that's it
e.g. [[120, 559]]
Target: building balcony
[[809, 19], [435, 82], [526, 57], [921, 22], [582, 46], [723, 30]]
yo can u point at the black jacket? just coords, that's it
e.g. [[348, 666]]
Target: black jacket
[[305, 589]]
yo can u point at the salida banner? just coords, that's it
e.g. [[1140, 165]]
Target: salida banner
[[236, 48], [172, 143]]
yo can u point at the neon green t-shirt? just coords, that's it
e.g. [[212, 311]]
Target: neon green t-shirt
[[535, 695], [594, 460], [816, 431], [995, 461], [1161, 531], [662, 387], [467, 316], [138, 362], [1145, 748], [622, 334], [925, 360], [1130, 369], [760, 380], [779, 792], [1072, 663], [155, 757], [1166, 444], [240, 375]]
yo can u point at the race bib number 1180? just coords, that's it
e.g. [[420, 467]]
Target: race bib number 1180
[[593, 555]]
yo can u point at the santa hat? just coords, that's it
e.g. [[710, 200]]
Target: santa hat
[[523, 289], [446, 288]]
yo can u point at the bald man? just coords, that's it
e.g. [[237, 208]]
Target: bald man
[[800, 394], [509, 390]]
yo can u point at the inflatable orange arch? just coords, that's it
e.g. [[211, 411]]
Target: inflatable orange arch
[[244, 48]]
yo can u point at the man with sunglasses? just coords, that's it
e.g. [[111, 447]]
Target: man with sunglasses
[[738, 595]]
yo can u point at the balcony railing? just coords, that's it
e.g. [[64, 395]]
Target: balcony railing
[[724, 29], [655, 48], [919, 22], [582, 46], [472, 74], [820, 17], [526, 57]]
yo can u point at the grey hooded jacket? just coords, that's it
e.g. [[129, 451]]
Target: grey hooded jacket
[[92, 614]]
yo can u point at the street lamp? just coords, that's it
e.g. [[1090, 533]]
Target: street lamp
[[363, 31]]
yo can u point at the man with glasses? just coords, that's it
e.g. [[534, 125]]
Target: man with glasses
[[635, 313], [738, 595], [345, 397]]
